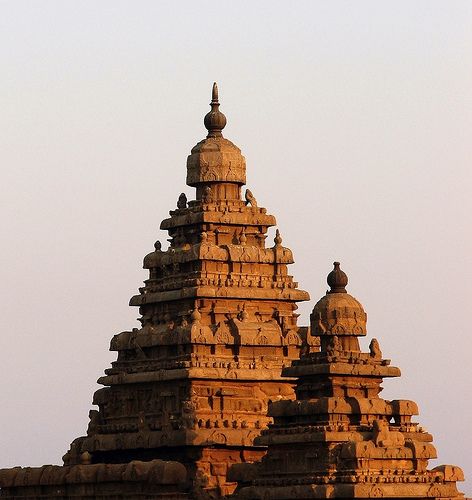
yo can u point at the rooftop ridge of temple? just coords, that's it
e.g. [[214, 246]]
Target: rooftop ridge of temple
[[339, 439]]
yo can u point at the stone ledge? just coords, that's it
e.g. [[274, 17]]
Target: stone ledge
[[154, 472]]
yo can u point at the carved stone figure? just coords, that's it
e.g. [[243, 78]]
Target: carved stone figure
[[250, 199], [182, 201], [383, 437], [207, 195], [334, 346], [374, 348], [94, 421]]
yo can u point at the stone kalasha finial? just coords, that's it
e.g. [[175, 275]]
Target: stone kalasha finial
[[214, 120], [337, 279], [86, 458], [278, 238]]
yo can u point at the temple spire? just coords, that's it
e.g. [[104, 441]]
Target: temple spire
[[214, 120], [214, 93]]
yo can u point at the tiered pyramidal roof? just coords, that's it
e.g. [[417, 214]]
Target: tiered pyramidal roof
[[218, 325], [339, 439]]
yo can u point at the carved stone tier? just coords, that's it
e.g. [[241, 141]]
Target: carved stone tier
[[219, 212], [216, 160], [339, 439]]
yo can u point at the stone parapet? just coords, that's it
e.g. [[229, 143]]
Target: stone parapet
[[156, 479]]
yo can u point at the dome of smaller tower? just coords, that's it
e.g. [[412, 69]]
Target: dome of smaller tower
[[338, 313]]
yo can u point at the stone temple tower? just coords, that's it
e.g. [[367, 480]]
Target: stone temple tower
[[218, 325], [339, 439]]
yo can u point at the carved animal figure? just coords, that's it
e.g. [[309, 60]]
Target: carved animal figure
[[374, 348], [334, 346], [182, 201], [250, 199], [382, 436], [207, 195]]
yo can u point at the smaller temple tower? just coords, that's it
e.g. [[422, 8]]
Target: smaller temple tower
[[339, 439]]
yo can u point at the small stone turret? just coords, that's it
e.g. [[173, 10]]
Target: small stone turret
[[338, 314]]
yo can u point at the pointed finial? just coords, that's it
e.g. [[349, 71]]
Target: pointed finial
[[215, 120], [182, 201], [337, 279], [278, 238], [214, 93], [195, 316]]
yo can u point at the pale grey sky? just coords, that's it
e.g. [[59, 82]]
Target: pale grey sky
[[355, 119]]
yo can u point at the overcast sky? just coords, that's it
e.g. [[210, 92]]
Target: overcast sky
[[355, 119]]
